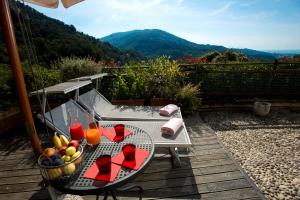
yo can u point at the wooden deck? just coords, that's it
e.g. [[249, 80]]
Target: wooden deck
[[208, 172]]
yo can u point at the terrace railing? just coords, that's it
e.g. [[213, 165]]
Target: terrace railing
[[262, 80], [231, 81]]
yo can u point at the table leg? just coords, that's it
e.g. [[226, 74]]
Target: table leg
[[175, 157], [113, 195], [129, 187], [52, 192], [105, 195]]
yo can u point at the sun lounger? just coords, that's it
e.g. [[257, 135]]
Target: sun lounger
[[96, 102], [60, 117]]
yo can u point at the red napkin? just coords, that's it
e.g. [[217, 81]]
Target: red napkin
[[111, 134], [93, 173], [140, 156]]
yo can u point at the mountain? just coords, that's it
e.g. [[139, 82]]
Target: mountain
[[282, 53], [286, 52], [154, 42], [54, 39]]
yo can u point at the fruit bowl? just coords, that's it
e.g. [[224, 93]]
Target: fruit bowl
[[64, 170]]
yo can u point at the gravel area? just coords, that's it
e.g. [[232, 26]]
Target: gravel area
[[268, 148]]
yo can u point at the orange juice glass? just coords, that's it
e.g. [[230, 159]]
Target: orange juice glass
[[93, 136]]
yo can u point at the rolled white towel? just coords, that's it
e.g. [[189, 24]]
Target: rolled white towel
[[172, 126], [168, 109]]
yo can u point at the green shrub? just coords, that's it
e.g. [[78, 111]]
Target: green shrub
[[188, 98], [158, 78], [164, 78], [8, 95], [41, 77], [38, 77], [73, 67], [129, 83]]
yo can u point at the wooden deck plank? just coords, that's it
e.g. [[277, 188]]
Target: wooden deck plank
[[237, 194], [21, 187], [21, 166], [207, 172], [186, 172], [6, 152], [204, 140], [245, 193], [32, 195], [20, 179], [20, 172], [192, 156], [161, 167], [16, 156], [179, 182], [196, 148], [171, 192], [207, 142]]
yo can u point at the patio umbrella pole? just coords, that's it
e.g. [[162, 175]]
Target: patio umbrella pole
[[10, 40]]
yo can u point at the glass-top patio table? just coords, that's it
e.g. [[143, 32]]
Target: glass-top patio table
[[79, 185]]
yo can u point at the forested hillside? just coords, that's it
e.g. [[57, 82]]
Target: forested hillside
[[154, 42], [54, 39]]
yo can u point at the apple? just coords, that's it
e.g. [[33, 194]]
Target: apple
[[69, 169], [66, 158], [74, 143], [48, 152], [62, 150], [75, 155], [70, 151]]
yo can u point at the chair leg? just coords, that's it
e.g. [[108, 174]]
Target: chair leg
[[129, 187], [175, 157]]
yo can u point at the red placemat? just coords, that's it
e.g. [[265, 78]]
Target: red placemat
[[111, 134], [140, 156], [93, 173]]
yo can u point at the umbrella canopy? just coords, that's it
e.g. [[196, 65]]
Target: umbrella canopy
[[53, 3]]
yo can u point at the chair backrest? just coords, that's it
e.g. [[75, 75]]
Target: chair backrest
[[93, 100], [61, 117]]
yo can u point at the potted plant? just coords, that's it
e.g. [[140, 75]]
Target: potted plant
[[261, 108]]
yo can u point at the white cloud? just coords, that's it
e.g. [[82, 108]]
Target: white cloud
[[222, 9]]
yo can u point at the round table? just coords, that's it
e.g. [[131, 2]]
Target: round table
[[77, 184]]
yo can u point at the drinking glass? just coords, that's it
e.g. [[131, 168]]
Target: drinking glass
[[104, 164], [119, 129], [93, 136], [129, 152], [76, 131]]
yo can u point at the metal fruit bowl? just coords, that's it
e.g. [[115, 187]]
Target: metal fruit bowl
[[61, 171]]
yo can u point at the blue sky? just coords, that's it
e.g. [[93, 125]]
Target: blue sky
[[256, 24]]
